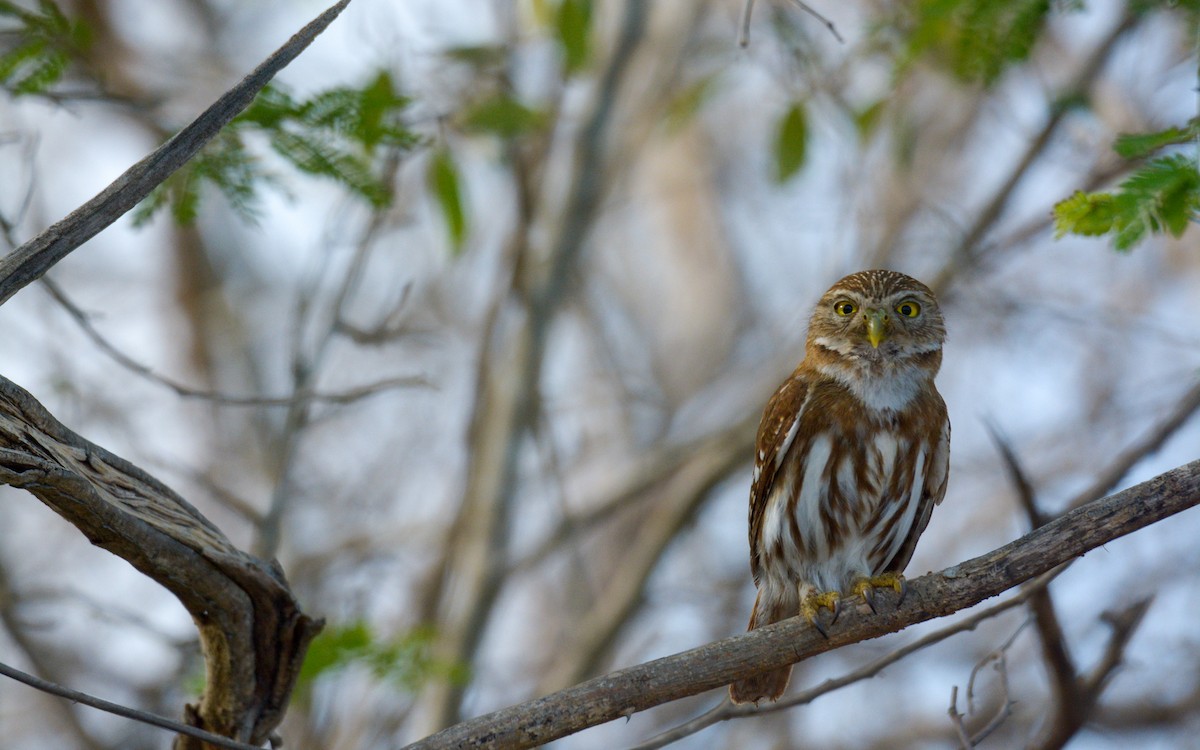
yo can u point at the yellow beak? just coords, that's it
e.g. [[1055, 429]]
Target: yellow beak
[[877, 327]]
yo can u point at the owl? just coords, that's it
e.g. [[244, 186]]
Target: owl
[[851, 456]]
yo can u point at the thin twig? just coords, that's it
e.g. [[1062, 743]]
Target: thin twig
[[1055, 650], [956, 720], [1148, 444], [143, 717], [824, 21], [345, 397], [1006, 703], [748, 10]]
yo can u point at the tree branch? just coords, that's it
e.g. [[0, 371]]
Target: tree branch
[[252, 631], [714, 665], [29, 261]]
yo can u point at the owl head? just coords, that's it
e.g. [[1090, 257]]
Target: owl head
[[878, 318]]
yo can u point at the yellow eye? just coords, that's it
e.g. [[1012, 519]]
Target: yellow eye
[[845, 308], [908, 308]]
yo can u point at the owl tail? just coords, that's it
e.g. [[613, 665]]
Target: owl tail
[[769, 685]]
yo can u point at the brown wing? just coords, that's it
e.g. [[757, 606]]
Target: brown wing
[[937, 469], [776, 433]]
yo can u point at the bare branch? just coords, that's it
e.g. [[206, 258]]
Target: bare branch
[[714, 665], [344, 397], [970, 249], [31, 260], [1055, 650], [1150, 442]]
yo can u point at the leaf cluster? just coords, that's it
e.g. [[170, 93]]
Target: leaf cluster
[[406, 660], [336, 134], [1160, 196], [36, 50], [974, 40]]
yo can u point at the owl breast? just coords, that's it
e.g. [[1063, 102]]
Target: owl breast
[[846, 503]]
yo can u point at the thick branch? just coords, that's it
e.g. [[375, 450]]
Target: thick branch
[[29, 261], [714, 665], [253, 633]]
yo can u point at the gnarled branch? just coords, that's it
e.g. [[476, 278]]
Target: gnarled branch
[[252, 631]]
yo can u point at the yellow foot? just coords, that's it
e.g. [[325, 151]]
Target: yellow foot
[[865, 587], [812, 603]]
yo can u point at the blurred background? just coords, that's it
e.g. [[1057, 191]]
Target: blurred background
[[471, 321]]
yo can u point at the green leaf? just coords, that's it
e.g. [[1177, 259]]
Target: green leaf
[[791, 145], [334, 647], [1162, 196], [334, 134], [318, 157], [46, 42], [974, 40], [690, 101], [444, 182], [1140, 145], [1087, 214], [867, 119], [503, 116], [406, 660], [573, 23]]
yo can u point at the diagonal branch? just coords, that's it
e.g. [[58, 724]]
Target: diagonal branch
[[625, 692], [727, 710], [29, 261]]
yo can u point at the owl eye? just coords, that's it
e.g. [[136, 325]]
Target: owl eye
[[845, 308], [908, 308]]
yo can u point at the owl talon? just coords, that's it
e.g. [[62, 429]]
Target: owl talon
[[868, 595], [812, 605], [865, 587]]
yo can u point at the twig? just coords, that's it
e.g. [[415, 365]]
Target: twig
[[346, 397], [969, 250], [748, 10], [507, 405], [1055, 650], [625, 692], [999, 659], [824, 21], [956, 719], [31, 260], [1016, 474], [143, 717], [1150, 442], [1006, 703]]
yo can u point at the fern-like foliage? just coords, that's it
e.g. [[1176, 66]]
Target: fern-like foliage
[[1161, 196], [36, 46], [975, 40], [337, 134]]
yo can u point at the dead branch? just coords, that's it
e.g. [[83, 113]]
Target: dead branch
[[636, 688], [253, 633]]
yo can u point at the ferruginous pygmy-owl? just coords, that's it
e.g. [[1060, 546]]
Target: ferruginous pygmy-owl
[[851, 456]]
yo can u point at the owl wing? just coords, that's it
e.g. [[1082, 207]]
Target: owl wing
[[937, 469], [776, 433]]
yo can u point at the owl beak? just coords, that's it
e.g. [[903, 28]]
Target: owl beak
[[877, 327]]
